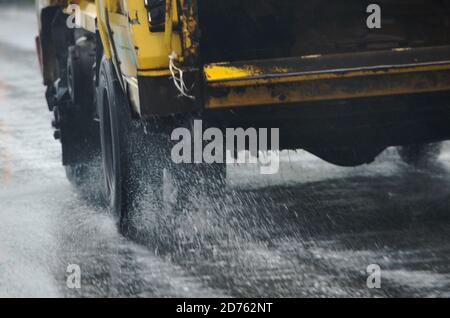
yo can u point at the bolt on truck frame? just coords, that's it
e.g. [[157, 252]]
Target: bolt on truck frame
[[133, 70]]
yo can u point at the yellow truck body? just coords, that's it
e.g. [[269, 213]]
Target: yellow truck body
[[141, 52]]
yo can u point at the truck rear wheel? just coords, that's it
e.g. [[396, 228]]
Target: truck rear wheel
[[137, 156], [133, 159], [421, 154], [74, 117], [115, 133]]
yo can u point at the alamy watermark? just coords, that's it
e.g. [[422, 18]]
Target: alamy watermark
[[374, 19], [236, 145], [374, 278], [73, 280]]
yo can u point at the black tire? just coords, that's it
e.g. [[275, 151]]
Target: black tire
[[115, 124], [420, 155], [132, 158], [81, 59], [137, 156], [78, 130]]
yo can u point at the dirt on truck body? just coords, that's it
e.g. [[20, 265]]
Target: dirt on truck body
[[314, 69]]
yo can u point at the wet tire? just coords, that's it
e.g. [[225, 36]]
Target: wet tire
[[133, 158], [78, 130], [420, 155], [136, 157], [115, 122], [80, 61]]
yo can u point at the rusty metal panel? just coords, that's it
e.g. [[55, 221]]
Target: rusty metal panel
[[328, 89], [343, 76]]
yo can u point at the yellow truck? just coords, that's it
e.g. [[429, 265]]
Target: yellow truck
[[121, 75]]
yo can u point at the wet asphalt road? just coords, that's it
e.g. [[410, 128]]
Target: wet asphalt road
[[311, 230]]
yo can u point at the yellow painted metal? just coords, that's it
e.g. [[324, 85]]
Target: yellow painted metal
[[139, 50], [328, 86], [125, 33], [123, 45], [157, 73], [189, 27], [101, 6], [124, 29], [151, 52], [230, 76], [168, 33], [218, 72]]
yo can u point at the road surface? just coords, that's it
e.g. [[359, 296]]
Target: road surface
[[311, 230]]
